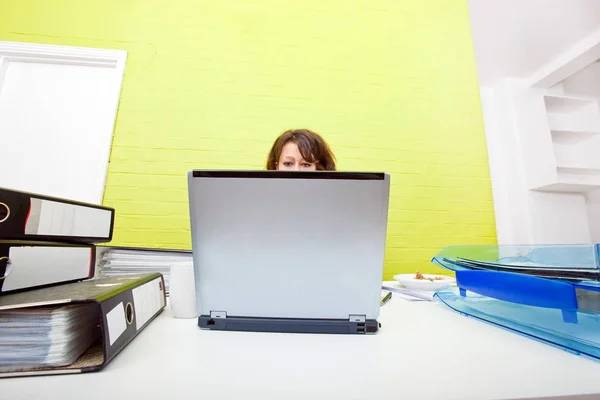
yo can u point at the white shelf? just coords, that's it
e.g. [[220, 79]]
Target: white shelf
[[570, 137], [558, 103], [585, 82], [571, 183], [577, 152], [573, 179], [573, 113], [584, 180], [569, 123], [574, 123]]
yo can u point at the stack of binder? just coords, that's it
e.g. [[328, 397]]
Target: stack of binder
[[56, 316], [550, 293]]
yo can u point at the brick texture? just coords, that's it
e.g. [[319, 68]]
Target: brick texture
[[391, 84]]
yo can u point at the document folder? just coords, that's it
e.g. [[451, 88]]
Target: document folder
[[28, 265], [77, 327], [30, 216]]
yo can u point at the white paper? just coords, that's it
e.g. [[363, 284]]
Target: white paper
[[46, 336], [410, 295]]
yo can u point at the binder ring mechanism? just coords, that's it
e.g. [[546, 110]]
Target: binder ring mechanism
[[5, 265], [4, 212]]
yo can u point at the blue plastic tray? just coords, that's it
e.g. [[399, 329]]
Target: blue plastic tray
[[573, 263], [554, 312]]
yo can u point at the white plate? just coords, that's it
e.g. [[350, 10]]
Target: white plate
[[410, 282]]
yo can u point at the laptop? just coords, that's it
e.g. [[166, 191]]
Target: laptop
[[288, 251]]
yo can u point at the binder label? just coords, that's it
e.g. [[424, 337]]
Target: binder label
[[115, 320], [52, 218], [41, 265], [148, 299]]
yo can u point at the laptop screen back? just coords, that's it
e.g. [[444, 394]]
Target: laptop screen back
[[288, 244]]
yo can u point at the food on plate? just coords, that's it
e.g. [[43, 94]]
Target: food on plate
[[420, 276]]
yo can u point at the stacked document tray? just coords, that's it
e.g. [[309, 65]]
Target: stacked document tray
[[575, 263], [548, 293]]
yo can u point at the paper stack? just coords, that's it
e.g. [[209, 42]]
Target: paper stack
[[116, 261], [44, 337]]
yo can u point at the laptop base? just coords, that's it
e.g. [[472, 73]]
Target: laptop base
[[288, 325]]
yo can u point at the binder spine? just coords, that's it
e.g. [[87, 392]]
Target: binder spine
[[32, 265], [128, 313], [28, 216]]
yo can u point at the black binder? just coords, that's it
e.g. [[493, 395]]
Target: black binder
[[28, 265], [30, 216], [120, 308]]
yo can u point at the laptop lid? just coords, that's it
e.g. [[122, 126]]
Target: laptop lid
[[288, 244]]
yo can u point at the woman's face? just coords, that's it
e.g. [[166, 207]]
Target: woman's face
[[291, 159]]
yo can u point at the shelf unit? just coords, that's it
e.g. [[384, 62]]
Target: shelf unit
[[572, 121]]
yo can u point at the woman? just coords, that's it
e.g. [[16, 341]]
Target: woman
[[300, 150]]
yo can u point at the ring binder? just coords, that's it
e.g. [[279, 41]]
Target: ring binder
[[27, 265], [121, 308], [31, 216]]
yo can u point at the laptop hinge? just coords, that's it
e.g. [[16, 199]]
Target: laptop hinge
[[357, 318], [218, 314]]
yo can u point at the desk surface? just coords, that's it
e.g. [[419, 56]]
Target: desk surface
[[423, 350]]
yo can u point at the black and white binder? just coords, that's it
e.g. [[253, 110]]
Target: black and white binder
[[78, 327], [30, 216], [29, 265]]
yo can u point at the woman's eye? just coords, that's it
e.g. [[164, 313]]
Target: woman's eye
[[287, 164]]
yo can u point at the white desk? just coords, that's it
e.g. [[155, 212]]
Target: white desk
[[423, 351]]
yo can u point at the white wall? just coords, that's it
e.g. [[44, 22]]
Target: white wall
[[58, 106], [511, 204], [585, 82], [513, 38], [522, 157], [559, 218], [540, 94], [546, 183], [593, 212]]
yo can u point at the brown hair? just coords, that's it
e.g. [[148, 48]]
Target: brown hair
[[312, 147]]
